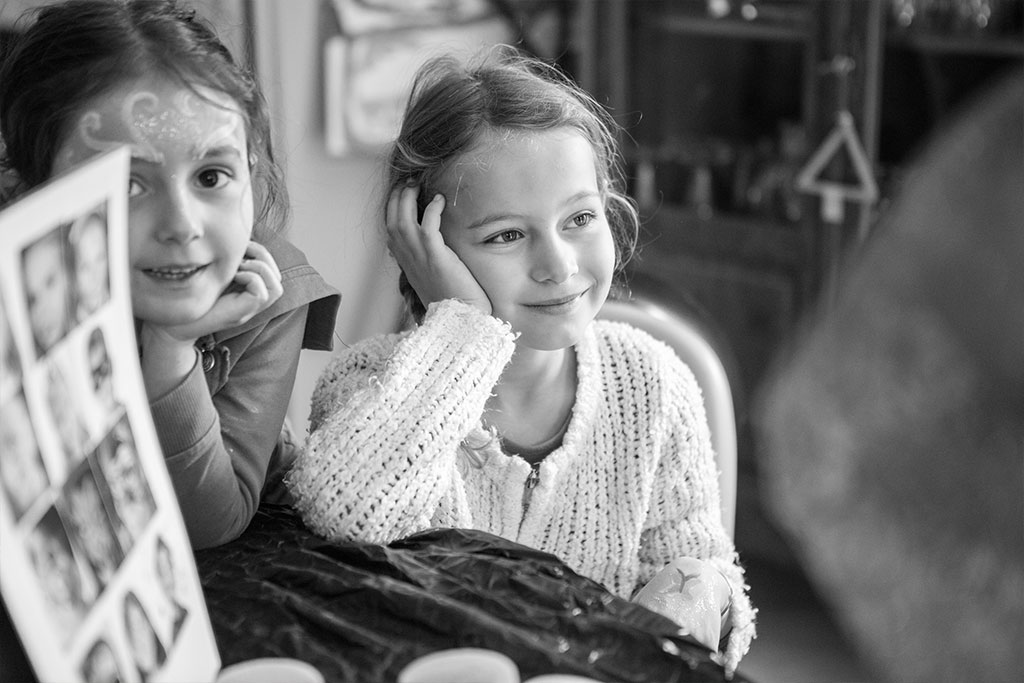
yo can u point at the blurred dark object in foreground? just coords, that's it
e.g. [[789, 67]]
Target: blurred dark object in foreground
[[894, 429], [362, 612]]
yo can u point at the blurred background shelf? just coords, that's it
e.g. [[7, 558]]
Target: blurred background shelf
[[724, 101], [681, 23], [938, 43]]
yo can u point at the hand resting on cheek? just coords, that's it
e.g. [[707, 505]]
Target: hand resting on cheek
[[433, 269], [256, 286]]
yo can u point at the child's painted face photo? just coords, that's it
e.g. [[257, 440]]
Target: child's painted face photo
[[171, 613], [190, 197], [165, 568], [58, 573], [146, 648], [63, 403], [45, 277], [88, 237], [21, 468], [122, 471], [10, 364], [100, 664], [100, 368], [89, 524]]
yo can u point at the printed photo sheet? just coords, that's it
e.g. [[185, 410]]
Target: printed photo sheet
[[96, 570]]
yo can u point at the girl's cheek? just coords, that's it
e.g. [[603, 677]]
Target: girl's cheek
[[248, 207], [135, 235]]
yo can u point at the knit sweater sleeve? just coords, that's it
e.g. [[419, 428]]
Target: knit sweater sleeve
[[387, 418], [685, 518]]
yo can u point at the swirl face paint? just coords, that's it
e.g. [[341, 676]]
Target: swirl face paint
[[148, 120], [191, 202]]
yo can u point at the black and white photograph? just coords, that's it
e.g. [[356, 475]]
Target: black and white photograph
[[22, 471], [517, 341]]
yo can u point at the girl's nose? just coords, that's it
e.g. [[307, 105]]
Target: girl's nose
[[181, 221], [554, 261]]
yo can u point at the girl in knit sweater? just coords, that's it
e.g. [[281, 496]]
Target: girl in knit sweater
[[507, 407]]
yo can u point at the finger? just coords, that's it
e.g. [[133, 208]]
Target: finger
[[249, 297], [266, 272], [391, 212], [434, 246], [404, 238], [408, 219], [253, 286], [396, 213], [256, 252], [432, 215], [261, 262]]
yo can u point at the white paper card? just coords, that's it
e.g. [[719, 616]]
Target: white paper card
[[96, 569]]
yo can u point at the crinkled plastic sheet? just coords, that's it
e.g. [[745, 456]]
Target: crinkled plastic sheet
[[360, 612]]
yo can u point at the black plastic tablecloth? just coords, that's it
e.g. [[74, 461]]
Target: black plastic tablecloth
[[361, 612]]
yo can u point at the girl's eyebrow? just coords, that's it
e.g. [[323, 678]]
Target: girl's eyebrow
[[583, 194], [227, 149], [198, 154], [491, 218], [495, 217]]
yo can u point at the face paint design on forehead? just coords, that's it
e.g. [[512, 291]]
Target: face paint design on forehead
[[199, 120]]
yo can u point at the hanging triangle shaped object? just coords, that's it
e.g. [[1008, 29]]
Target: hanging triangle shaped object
[[843, 136]]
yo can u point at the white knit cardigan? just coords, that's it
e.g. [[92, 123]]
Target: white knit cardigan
[[632, 487]]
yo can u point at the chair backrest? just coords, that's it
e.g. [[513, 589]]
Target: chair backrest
[[684, 333]]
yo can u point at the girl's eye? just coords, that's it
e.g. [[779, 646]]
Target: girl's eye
[[134, 188], [582, 220], [211, 178], [505, 237]]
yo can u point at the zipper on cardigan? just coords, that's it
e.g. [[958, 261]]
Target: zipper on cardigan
[[532, 479]]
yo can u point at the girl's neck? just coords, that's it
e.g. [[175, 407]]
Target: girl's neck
[[534, 396], [530, 367]]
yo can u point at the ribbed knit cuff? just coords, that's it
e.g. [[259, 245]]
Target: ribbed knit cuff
[[472, 341], [183, 415]]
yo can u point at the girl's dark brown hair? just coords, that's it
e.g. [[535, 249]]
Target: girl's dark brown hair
[[77, 50]]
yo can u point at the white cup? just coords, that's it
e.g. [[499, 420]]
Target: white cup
[[461, 665], [270, 670]]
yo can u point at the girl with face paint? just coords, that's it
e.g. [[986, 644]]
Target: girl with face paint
[[223, 304]]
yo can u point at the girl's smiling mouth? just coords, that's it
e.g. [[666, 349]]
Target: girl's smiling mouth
[[173, 273], [560, 302]]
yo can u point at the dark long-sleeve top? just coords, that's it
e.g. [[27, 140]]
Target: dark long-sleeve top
[[220, 428]]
